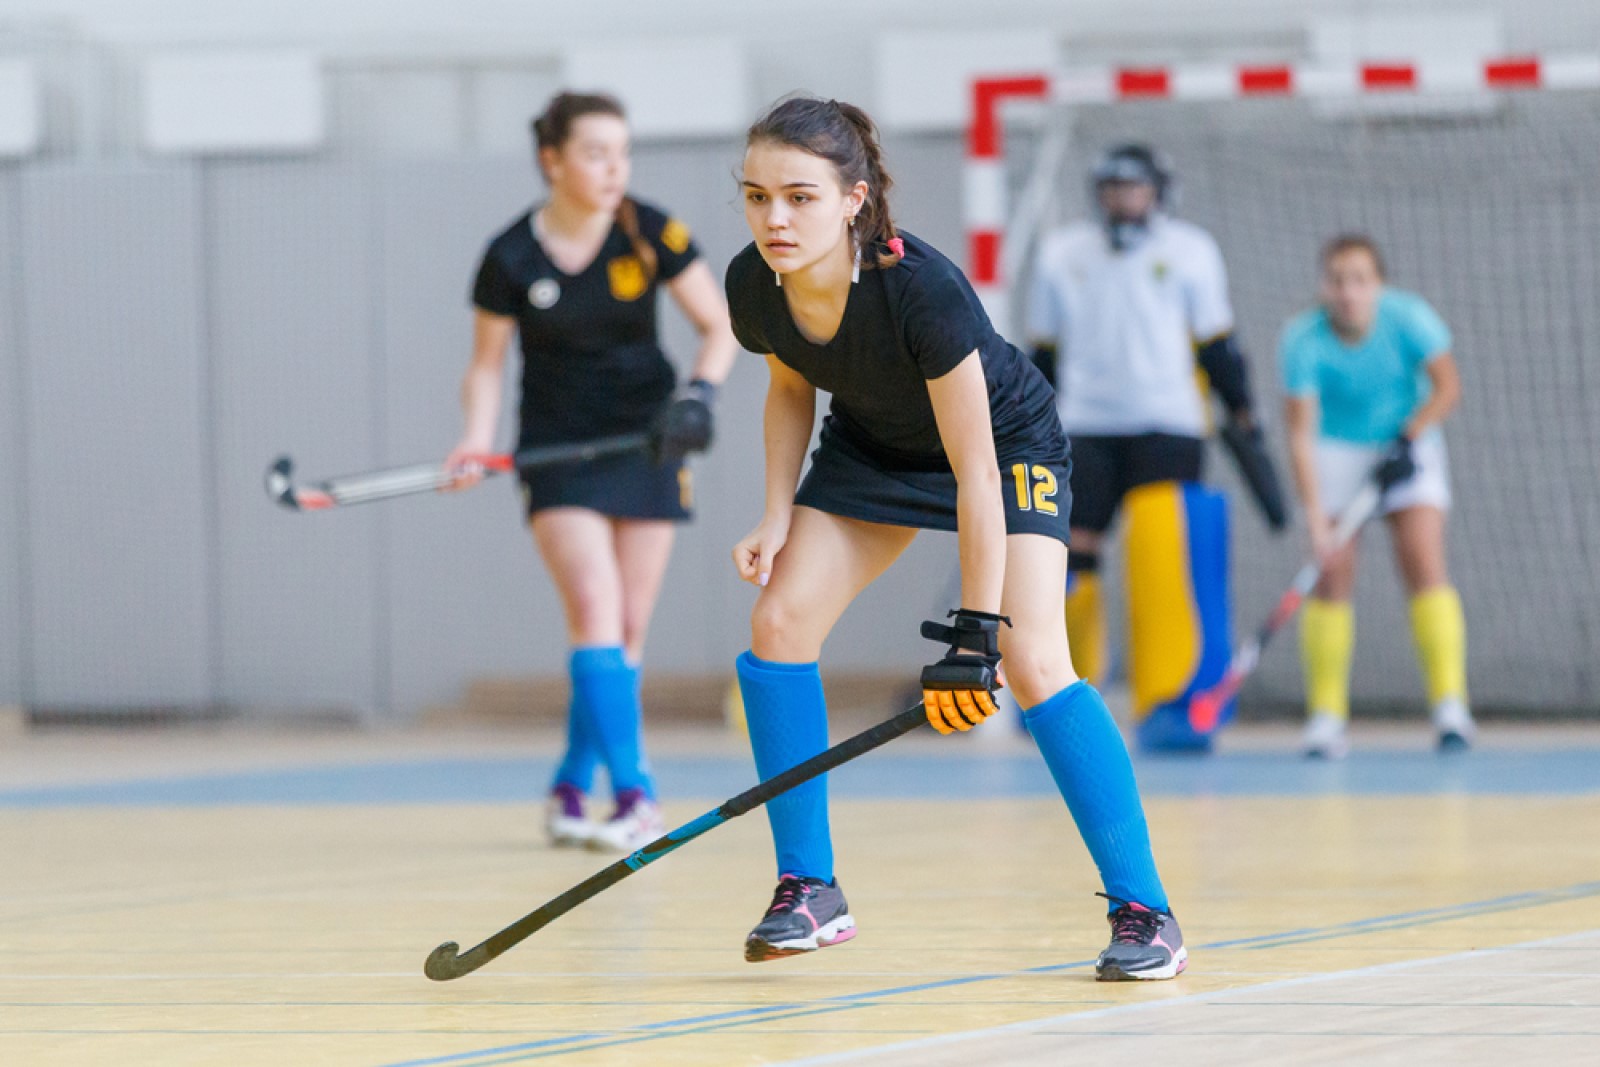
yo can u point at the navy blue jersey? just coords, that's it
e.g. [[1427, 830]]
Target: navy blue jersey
[[902, 326], [592, 365]]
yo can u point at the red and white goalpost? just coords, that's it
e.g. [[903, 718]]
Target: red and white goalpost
[[1481, 183], [987, 210]]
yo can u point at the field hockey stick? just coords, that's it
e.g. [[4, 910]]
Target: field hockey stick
[[1205, 707], [426, 477], [448, 961]]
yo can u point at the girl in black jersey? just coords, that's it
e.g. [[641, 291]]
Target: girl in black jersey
[[935, 423], [576, 278]]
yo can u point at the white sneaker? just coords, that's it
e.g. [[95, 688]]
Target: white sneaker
[[1327, 736], [637, 822], [1453, 725], [564, 820]]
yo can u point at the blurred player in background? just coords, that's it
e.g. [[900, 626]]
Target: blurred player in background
[[936, 423], [577, 278], [1121, 310], [1370, 378]]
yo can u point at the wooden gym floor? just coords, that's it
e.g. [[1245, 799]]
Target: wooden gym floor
[[245, 897]]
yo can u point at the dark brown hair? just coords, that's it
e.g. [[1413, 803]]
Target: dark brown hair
[[553, 128], [1354, 242], [845, 136]]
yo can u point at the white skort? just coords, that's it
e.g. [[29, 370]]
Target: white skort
[[1342, 466]]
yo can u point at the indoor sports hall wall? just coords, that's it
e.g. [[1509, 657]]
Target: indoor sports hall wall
[[173, 327], [169, 323]]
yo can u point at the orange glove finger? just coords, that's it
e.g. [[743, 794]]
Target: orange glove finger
[[930, 704], [967, 710], [948, 709], [987, 705]]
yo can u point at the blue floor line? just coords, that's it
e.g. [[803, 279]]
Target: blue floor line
[[959, 776], [701, 1024]]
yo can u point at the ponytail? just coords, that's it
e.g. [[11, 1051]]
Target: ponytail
[[845, 136], [628, 219]]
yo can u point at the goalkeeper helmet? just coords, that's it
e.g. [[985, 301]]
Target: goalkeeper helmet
[[1131, 164]]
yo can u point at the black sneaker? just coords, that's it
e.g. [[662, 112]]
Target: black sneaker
[[1145, 944], [806, 914]]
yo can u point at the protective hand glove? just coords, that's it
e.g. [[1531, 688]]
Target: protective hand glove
[[1396, 466], [958, 691], [685, 424]]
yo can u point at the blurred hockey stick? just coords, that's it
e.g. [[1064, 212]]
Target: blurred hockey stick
[[426, 477], [1205, 707]]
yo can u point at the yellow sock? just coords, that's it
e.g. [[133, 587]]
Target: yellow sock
[[1327, 634], [1440, 631], [1086, 627]]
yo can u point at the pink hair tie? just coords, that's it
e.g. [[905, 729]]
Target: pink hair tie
[[897, 246]]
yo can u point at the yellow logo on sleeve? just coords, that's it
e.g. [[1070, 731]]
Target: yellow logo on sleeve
[[675, 235], [626, 275]]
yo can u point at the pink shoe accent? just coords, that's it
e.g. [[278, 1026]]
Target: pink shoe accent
[[805, 909], [840, 938]]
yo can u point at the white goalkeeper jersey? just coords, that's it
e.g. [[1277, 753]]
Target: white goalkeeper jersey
[[1125, 325]]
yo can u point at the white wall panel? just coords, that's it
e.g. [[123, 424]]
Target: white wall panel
[[232, 101]]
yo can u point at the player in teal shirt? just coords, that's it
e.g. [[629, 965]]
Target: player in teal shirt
[[1369, 377], [1367, 389]]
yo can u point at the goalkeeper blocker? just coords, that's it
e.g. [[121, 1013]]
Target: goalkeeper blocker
[[1228, 373]]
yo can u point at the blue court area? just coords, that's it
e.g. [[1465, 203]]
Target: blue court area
[[972, 773]]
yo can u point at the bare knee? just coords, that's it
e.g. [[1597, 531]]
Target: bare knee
[[594, 615], [779, 631], [1036, 671]]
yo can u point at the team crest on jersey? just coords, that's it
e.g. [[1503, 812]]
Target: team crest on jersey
[[626, 275], [544, 293], [1160, 270], [675, 235]]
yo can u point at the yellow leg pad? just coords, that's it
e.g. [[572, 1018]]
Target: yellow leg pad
[[1440, 631], [1327, 635], [1086, 627], [733, 710], [1164, 629]]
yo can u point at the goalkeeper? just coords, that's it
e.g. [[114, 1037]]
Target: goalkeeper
[[1121, 309]]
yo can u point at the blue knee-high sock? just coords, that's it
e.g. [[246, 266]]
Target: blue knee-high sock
[[1090, 764], [788, 721], [608, 687], [582, 755]]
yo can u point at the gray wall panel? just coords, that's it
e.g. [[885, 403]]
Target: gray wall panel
[[117, 535], [13, 685], [291, 289], [465, 595]]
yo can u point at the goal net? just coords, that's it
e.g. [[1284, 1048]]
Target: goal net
[[1488, 205]]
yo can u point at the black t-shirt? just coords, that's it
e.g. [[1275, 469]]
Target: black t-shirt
[[902, 326], [591, 362]]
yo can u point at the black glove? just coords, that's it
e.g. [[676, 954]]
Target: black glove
[[958, 691], [1397, 464], [685, 424]]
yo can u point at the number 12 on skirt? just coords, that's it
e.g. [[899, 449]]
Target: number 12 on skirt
[[1035, 488]]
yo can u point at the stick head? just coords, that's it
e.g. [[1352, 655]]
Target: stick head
[[281, 488], [280, 482], [1204, 711], [441, 965]]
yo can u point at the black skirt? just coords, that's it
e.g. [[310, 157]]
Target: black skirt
[[625, 486], [847, 481]]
